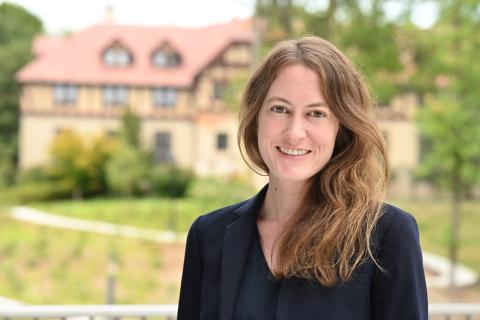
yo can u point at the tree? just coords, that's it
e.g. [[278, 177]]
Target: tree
[[131, 129], [17, 29], [362, 31], [448, 79], [128, 169]]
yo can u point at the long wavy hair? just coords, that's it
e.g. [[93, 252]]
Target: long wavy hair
[[331, 235]]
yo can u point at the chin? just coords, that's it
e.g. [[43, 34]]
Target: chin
[[295, 177]]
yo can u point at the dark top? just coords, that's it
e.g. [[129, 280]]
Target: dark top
[[216, 255], [258, 294]]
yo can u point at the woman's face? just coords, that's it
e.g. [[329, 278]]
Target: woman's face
[[296, 129]]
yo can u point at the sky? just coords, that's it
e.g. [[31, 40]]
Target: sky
[[60, 16], [66, 15]]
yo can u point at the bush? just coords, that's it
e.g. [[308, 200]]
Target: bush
[[170, 181], [35, 191], [81, 162], [33, 175], [127, 171]]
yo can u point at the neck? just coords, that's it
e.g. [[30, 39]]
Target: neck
[[282, 200]]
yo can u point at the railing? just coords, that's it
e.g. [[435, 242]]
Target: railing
[[90, 312], [454, 311], [444, 311]]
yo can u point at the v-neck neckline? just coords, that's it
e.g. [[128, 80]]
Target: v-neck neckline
[[262, 253]]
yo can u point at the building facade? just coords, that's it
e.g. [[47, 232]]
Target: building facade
[[171, 77]]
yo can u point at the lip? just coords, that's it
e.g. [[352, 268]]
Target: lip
[[293, 157]]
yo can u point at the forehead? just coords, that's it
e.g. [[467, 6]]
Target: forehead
[[296, 82]]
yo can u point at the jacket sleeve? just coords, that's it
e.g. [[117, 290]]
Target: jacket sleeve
[[399, 291], [190, 290]]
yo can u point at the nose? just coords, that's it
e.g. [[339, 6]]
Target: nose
[[295, 129]]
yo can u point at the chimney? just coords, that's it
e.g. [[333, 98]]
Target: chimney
[[109, 15]]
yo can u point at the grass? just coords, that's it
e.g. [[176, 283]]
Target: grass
[[46, 265], [42, 265], [204, 195], [156, 213], [433, 218]]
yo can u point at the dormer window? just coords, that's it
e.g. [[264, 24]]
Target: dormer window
[[117, 56], [165, 57]]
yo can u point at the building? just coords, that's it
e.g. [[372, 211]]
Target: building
[[172, 77], [403, 145]]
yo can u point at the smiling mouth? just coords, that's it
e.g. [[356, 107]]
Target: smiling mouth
[[293, 152]]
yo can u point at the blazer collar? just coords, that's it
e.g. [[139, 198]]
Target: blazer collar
[[236, 244]]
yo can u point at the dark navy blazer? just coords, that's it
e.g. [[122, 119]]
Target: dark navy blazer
[[217, 250]]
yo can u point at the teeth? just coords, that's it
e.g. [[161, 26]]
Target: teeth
[[294, 152]]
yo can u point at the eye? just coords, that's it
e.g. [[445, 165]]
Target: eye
[[278, 109], [317, 114]]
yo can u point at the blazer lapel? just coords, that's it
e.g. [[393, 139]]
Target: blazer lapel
[[236, 244]]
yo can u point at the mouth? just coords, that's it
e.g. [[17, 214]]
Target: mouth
[[293, 152]]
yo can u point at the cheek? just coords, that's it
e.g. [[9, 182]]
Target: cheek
[[326, 138], [267, 131]]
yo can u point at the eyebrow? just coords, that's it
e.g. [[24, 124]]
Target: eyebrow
[[311, 105]]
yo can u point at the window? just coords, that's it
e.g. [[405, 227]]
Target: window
[[222, 141], [165, 97], [60, 130], [165, 58], [115, 95], [64, 94], [163, 152], [218, 88], [113, 134], [117, 56]]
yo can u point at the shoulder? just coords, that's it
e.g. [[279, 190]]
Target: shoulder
[[397, 236], [215, 222], [217, 219], [396, 222], [208, 230]]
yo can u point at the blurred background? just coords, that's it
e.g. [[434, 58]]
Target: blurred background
[[118, 128]]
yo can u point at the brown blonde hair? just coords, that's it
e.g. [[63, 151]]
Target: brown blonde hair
[[332, 235]]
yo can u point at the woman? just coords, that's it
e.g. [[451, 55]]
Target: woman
[[316, 242]]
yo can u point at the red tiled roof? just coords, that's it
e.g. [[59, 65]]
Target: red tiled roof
[[78, 58]]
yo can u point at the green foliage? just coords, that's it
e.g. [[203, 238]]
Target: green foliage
[[170, 181], [454, 156], [128, 171], [17, 29], [35, 191], [131, 128], [79, 164], [59, 277], [363, 32], [232, 94], [448, 76]]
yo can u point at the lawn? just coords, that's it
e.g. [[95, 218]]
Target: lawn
[[47, 265], [42, 265], [433, 219], [156, 213], [205, 195]]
